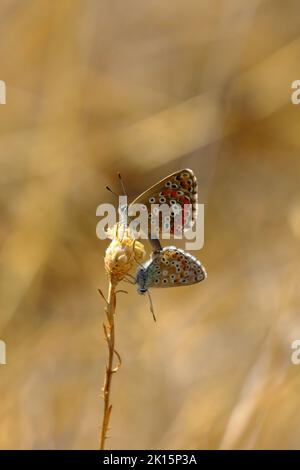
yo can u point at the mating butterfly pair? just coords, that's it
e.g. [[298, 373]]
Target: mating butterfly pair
[[171, 266]]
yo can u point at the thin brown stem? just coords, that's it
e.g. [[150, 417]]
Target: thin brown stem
[[109, 332]]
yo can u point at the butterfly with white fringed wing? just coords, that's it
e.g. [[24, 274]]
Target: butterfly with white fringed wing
[[170, 267]]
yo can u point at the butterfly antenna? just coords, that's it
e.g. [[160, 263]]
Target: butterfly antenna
[[122, 184], [111, 191], [151, 306]]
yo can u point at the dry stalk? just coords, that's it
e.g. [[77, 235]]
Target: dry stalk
[[109, 333], [119, 259]]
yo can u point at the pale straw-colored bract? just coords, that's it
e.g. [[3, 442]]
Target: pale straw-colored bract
[[122, 253]]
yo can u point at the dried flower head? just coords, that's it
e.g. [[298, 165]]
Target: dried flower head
[[122, 252]]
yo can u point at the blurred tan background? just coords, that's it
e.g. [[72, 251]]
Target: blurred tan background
[[147, 88]]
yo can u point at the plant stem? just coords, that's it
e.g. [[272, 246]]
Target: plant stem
[[109, 332]]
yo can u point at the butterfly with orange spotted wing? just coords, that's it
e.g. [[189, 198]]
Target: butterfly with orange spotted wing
[[179, 191]]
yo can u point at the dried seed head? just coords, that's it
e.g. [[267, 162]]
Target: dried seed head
[[122, 252]]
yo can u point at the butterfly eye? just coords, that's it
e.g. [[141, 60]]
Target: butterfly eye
[[185, 174], [152, 200], [164, 281], [172, 276], [168, 184], [172, 201], [183, 281], [180, 193], [174, 186], [156, 281], [162, 199]]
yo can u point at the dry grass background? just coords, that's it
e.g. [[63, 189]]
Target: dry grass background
[[146, 88]]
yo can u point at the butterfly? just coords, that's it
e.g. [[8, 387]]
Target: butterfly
[[170, 267], [180, 192]]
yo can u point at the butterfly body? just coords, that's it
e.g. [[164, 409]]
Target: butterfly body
[[170, 267]]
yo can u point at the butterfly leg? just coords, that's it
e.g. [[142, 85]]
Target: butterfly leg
[[151, 306], [129, 278]]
